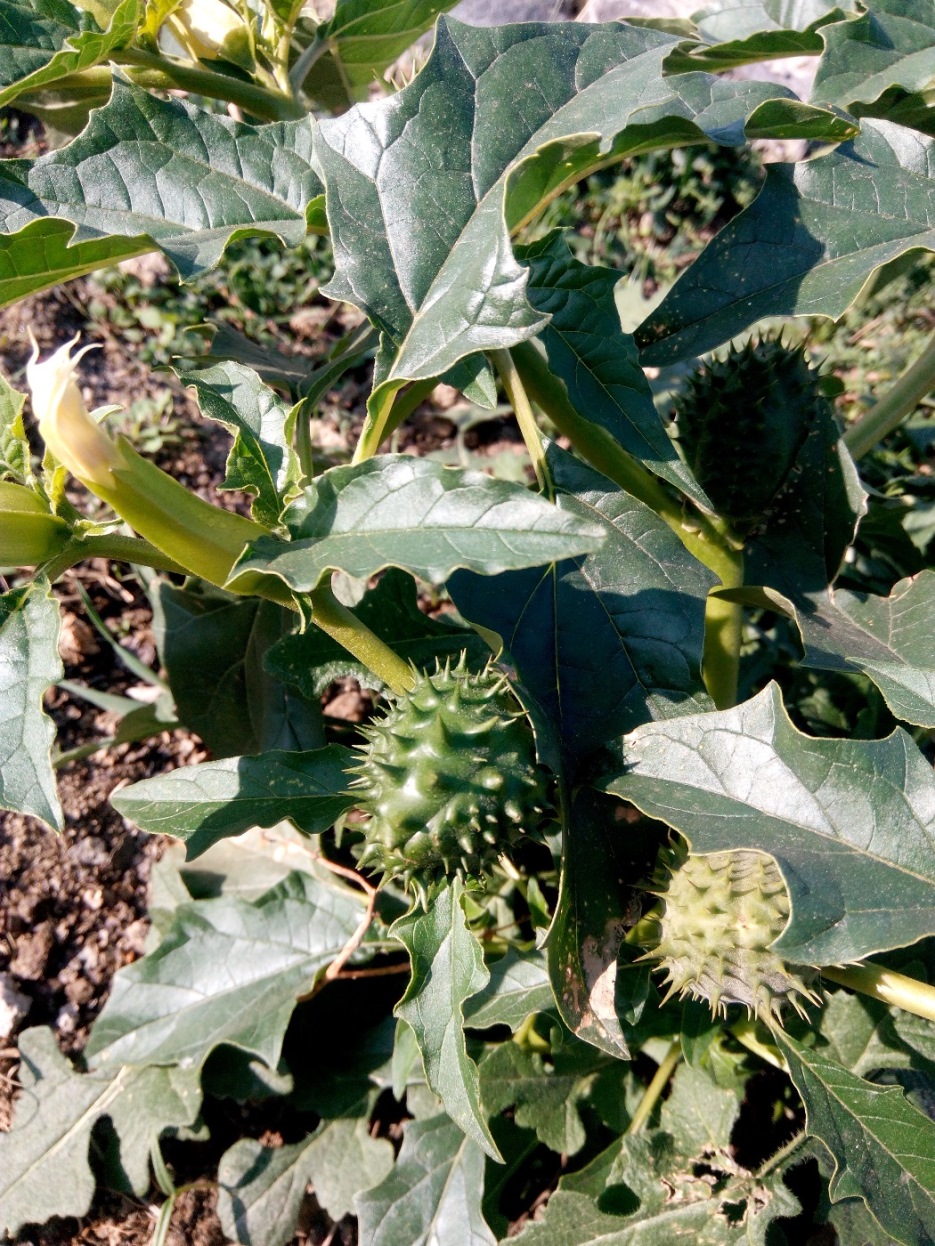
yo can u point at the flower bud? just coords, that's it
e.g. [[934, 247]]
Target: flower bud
[[202, 538], [29, 533], [209, 30]]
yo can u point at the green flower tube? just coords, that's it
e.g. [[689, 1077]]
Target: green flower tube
[[204, 539], [29, 533]]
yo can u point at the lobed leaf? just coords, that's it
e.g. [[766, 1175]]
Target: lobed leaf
[[214, 800], [851, 823], [226, 971], [883, 1147], [447, 969], [262, 461], [418, 515], [805, 246], [518, 987], [425, 186], [262, 1188], [44, 1168], [15, 455], [45, 40], [166, 171], [639, 599], [731, 33], [29, 664], [433, 1195]]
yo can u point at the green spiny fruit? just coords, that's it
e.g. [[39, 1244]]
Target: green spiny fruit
[[449, 777], [742, 422], [713, 928]]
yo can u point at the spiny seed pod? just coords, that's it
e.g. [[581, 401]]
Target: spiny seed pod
[[713, 928], [449, 777], [742, 422]]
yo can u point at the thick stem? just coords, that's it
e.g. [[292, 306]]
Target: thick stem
[[519, 400], [656, 1087], [174, 74], [344, 627], [699, 534], [723, 631], [898, 402], [115, 547], [886, 985]]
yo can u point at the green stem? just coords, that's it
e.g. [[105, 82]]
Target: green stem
[[115, 547], [898, 402], [376, 429], [723, 632], [344, 627], [745, 1033], [656, 1087], [508, 372], [700, 534], [303, 66], [82, 751], [782, 1154], [886, 985], [267, 104]]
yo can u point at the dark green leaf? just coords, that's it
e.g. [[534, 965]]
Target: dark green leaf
[[806, 244], [595, 360], [738, 32], [547, 1095], [364, 37], [639, 600], [592, 982], [188, 179], [227, 971], [850, 822], [418, 515], [311, 660], [447, 969], [883, 1147], [44, 40], [471, 152], [213, 647], [29, 664], [698, 1114], [860, 1034], [44, 1169], [433, 1195], [262, 461], [40, 256], [644, 1191], [866, 57], [217, 799], [262, 1188], [518, 987]]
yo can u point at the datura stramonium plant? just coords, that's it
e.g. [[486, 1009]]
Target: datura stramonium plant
[[202, 538]]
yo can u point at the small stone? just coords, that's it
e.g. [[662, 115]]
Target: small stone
[[14, 1006]]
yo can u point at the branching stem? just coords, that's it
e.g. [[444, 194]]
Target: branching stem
[[115, 547], [655, 1088], [886, 985], [173, 73], [898, 402]]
